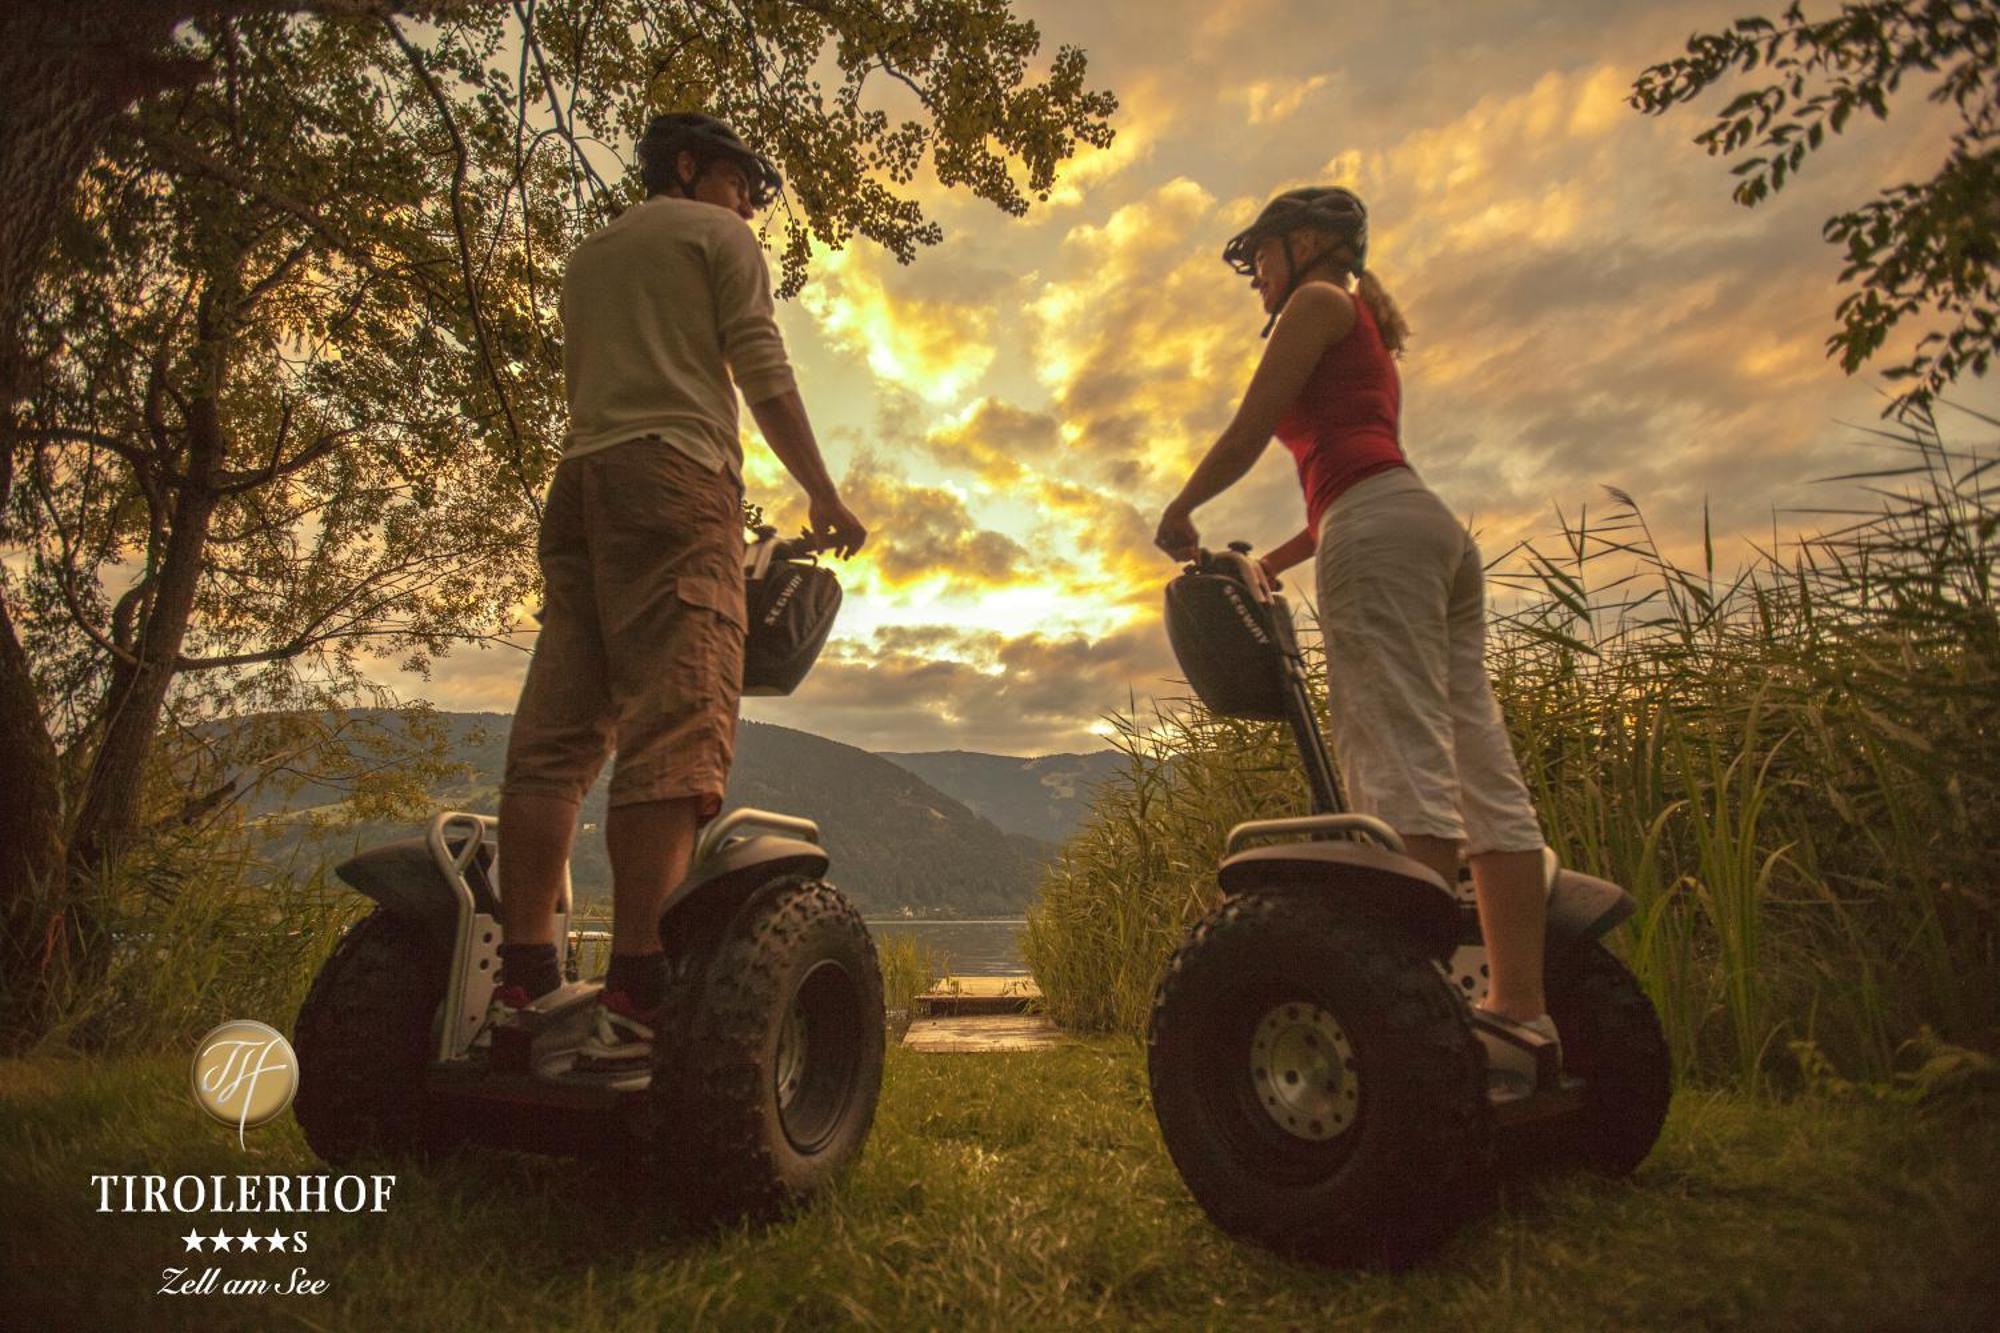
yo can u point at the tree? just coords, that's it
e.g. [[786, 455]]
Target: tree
[[1932, 246], [286, 382]]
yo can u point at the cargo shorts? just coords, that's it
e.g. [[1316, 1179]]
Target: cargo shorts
[[641, 649], [1415, 726]]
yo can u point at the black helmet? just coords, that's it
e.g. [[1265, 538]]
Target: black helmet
[[668, 136], [1322, 207]]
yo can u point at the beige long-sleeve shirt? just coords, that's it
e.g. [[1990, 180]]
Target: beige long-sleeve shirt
[[661, 311]]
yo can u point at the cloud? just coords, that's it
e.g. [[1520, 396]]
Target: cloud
[[940, 687], [934, 347], [1145, 115], [1143, 347], [1268, 101], [1589, 308], [995, 440], [925, 533]]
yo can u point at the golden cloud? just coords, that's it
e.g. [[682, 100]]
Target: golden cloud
[[925, 533], [1270, 101], [1144, 351], [932, 686], [1144, 116], [995, 440], [934, 349]]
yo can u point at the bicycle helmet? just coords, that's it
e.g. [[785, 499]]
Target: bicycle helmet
[[676, 132], [1326, 208]]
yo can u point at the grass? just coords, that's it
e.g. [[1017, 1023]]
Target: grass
[[909, 967], [1011, 1191]]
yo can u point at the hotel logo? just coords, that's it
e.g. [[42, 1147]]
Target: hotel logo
[[244, 1074]]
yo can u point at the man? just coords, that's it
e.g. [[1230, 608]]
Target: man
[[641, 547]]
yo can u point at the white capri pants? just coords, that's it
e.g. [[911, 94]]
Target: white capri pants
[[1416, 729]]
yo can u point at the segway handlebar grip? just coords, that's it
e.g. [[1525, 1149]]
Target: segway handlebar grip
[[806, 543], [1234, 563]]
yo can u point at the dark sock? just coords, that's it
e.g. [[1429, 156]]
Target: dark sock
[[532, 967], [642, 976]]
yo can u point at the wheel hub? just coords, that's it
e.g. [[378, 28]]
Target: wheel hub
[[1303, 1072], [791, 1053]]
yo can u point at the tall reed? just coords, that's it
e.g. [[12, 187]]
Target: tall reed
[[199, 932], [1796, 770]]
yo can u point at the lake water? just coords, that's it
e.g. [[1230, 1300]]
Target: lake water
[[966, 948]]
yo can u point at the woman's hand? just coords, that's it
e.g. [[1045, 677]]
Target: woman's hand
[[1286, 554], [1177, 535]]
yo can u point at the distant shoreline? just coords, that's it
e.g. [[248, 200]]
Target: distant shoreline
[[944, 921]]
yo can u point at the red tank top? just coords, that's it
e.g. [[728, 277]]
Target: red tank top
[[1343, 425]]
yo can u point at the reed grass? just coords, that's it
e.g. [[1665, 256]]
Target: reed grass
[[1796, 771], [196, 931], [909, 968]]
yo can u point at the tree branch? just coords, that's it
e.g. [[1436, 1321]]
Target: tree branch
[[232, 483], [78, 435], [461, 166]]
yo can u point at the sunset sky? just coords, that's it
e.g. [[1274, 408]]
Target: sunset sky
[[1010, 413]]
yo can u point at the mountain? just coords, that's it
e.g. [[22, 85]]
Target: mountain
[[1044, 798], [898, 844]]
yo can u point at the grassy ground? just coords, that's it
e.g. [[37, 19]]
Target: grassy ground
[[1012, 1191]]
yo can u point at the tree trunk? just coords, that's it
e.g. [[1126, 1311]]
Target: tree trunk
[[30, 838], [108, 815], [68, 70]]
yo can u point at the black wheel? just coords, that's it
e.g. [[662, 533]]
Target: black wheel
[[1316, 1083], [1611, 1039], [364, 1037], [770, 1092]]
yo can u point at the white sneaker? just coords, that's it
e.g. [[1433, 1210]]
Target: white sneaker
[[507, 1002], [621, 1037], [1521, 1058]]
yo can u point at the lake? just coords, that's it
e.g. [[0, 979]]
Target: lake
[[965, 948]]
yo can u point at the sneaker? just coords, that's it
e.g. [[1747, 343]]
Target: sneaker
[[1522, 1059], [621, 1035], [505, 1006]]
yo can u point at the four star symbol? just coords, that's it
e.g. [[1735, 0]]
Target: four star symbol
[[276, 1242]]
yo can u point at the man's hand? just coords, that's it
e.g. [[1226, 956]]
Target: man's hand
[[1177, 535], [782, 418], [835, 527]]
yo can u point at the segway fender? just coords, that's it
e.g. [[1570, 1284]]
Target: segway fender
[[1583, 907], [1405, 893], [735, 871], [403, 877]]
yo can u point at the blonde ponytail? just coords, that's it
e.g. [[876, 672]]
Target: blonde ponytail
[[1388, 316]]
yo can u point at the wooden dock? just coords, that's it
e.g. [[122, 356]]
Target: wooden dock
[[964, 996], [969, 1014]]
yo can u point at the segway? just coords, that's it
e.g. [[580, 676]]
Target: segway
[[768, 1055], [1312, 1063]]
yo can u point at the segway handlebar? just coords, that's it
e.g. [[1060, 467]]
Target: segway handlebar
[[769, 549], [719, 830], [1317, 826], [1234, 563], [792, 548]]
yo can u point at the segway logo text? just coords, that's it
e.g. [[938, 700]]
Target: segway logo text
[[778, 604], [1248, 617]]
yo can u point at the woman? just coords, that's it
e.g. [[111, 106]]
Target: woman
[[1401, 595]]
